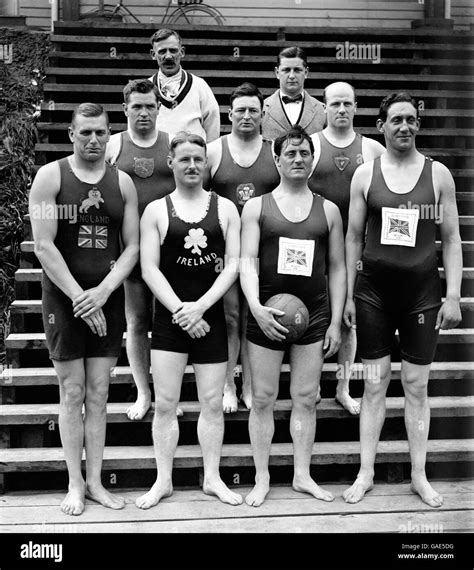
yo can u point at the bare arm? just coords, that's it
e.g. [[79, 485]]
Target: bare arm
[[211, 119], [336, 277], [371, 149], [214, 154], [450, 314], [250, 238], [113, 148], [191, 313], [95, 298], [355, 234], [43, 194], [317, 150], [150, 249]]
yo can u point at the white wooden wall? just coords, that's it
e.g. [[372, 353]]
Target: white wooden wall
[[320, 13]]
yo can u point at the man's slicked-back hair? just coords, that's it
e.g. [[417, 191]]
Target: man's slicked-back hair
[[389, 100], [164, 34], [246, 90], [143, 86], [293, 51], [89, 110], [184, 137], [295, 135]]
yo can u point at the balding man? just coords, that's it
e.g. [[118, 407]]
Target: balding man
[[338, 151]]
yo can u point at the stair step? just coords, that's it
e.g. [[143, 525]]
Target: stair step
[[363, 130], [34, 274], [235, 455], [123, 375], [467, 246], [34, 306], [69, 106], [35, 341], [107, 89], [441, 406]]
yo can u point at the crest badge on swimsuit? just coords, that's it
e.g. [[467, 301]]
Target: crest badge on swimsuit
[[94, 199], [143, 167], [341, 162], [244, 192]]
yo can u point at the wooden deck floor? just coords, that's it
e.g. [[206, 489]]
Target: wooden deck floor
[[388, 508]]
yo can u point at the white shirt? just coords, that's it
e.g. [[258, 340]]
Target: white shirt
[[170, 85], [292, 110]]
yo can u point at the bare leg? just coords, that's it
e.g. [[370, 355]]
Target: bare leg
[[265, 366], [95, 422], [345, 361], [210, 382], [71, 377], [231, 308], [417, 421], [137, 311], [372, 416], [244, 356], [167, 369], [306, 362]]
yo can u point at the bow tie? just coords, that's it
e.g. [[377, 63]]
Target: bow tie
[[295, 99]]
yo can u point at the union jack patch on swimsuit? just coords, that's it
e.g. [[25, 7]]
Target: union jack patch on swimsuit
[[92, 237]]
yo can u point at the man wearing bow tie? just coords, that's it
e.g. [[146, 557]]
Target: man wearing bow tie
[[291, 104]]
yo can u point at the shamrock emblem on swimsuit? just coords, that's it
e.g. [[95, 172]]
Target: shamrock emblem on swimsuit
[[195, 240]]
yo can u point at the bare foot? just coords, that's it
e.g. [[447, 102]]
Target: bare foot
[[73, 503], [155, 494], [351, 405], [229, 399], [218, 488], [307, 485], [246, 396], [359, 488], [257, 495], [139, 409], [100, 495], [420, 486]]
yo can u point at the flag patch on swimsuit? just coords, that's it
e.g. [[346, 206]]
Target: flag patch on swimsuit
[[92, 237], [295, 256], [399, 226]]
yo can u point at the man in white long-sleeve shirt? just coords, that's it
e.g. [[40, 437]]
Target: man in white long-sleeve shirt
[[187, 102]]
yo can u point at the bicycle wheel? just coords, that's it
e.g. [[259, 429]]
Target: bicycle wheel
[[195, 16]]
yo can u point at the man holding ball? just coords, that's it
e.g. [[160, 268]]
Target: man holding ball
[[287, 235]]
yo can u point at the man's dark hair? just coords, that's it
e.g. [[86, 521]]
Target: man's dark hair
[[351, 86], [246, 90], [297, 135], [143, 86], [293, 51], [184, 137], [389, 100], [89, 110], [164, 34]]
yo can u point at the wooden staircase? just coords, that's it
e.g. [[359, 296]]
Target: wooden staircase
[[92, 62]]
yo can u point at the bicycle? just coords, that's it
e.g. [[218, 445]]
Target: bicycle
[[192, 12], [118, 13]]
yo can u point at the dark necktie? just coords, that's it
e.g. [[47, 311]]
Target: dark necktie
[[295, 99]]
